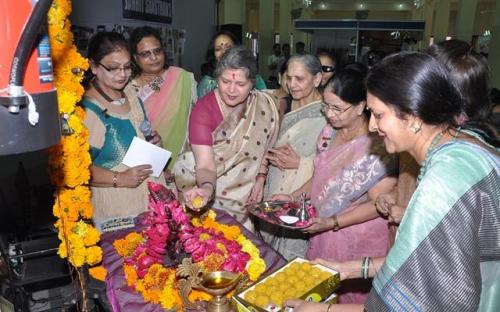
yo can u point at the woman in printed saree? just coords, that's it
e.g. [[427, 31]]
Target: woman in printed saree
[[446, 256], [350, 170], [222, 41], [291, 159], [167, 93], [113, 116], [230, 130]]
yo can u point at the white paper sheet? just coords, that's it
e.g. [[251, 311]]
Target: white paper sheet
[[141, 152]]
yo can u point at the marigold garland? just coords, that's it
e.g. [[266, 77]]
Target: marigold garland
[[69, 161]]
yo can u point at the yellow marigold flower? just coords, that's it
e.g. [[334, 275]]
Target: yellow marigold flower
[[93, 255], [99, 273], [255, 268], [92, 236], [197, 202]]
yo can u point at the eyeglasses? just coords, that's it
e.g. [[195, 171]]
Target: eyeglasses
[[335, 109], [149, 53], [116, 70], [327, 69]]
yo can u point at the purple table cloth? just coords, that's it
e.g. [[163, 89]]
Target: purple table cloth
[[124, 299]]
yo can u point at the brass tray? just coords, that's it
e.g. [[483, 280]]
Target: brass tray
[[271, 211]]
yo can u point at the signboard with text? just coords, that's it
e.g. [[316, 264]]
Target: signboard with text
[[148, 10]]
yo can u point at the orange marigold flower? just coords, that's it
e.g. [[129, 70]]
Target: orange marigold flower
[[98, 272]]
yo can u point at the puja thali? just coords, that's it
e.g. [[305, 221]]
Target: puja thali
[[284, 214]]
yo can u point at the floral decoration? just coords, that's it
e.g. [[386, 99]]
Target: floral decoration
[[150, 256], [70, 161]]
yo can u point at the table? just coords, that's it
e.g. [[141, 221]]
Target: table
[[123, 298]]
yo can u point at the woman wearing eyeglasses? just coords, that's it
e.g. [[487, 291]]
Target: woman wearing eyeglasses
[[113, 117], [167, 93], [350, 170], [328, 65]]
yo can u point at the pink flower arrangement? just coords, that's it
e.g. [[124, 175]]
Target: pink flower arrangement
[[166, 215]]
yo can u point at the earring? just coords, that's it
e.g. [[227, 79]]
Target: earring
[[415, 128]]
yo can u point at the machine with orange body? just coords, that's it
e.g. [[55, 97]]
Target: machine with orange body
[[29, 118]]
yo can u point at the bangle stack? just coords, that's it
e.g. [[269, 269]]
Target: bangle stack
[[365, 267]]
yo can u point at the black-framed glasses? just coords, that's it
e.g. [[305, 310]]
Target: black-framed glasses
[[335, 109], [149, 53], [327, 69], [116, 70]]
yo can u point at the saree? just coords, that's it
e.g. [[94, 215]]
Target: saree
[[168, 107], [343, 175], [447, 250], [300, 128], [110, 136], [240, 143]]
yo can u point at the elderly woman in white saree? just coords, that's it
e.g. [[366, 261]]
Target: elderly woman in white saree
[[291, 160]]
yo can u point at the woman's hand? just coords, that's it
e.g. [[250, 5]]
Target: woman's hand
[[347, 270], [156, 140], [305, 306], [319, 225], [396, 213], [134, 176], [205, 192], [386, 206], [284, 157], [384, 202], [282, 197], [257, 191]]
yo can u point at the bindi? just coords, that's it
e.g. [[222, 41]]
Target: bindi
[[234, 76]]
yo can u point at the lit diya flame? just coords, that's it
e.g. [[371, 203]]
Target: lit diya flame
[[197, 202]]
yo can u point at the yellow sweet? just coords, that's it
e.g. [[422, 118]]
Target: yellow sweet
[[250, 296], [324, 275], [197, 202], [315, 272], [280, 277], [277, 298], [261, 289], [306, 266], [262, 301], [292, 280]]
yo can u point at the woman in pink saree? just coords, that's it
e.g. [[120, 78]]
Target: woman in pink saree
[[350, 170]]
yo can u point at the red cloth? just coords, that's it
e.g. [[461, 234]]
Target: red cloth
[[205, 118]]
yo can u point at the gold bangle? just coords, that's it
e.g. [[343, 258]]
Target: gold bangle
[[115, 179], [336, 225]]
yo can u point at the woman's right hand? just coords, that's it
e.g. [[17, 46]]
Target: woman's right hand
[[344, 269], [204, 192], [134, 176]]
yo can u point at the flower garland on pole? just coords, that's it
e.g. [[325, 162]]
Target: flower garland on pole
[[69, 161]]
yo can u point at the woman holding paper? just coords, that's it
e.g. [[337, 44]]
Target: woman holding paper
[[230, 131], [113, 117]]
